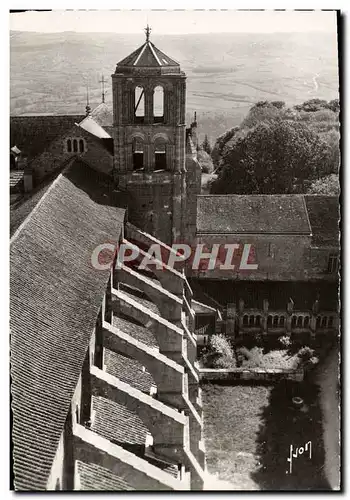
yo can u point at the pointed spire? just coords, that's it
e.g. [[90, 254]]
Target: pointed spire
[[148, 32], [88, 109], [103, 81]]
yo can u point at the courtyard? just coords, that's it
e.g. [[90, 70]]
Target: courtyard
[[248, 430]]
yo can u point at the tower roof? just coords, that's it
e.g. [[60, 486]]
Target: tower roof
[[148, 55]]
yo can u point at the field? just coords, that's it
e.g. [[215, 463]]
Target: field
[[226, 74], [248, 430]]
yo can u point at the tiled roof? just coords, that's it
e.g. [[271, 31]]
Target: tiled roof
[[55, 296], [90, 125], [269, 214], [116, 423], [103, 115], [20, 210], [138, 332], [148, 55], [32, 134], [16, 176], [129, 371], [140, 297], [324, 217], [96, 478]]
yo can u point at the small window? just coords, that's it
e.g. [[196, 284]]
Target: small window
[[330, 322], [258, 320], [69, 146], [139, 110], [269, 321], [245, 320], [300, 322], [333, 262], [275, 321], [324, 322], [81, 146], [75, 145], [251, 320], [306, 321], [282, 321], [294, 321]]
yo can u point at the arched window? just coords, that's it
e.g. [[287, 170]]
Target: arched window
[[160, 160], [251, 320], [69, 146], [275, 321], [300, 322], [294, 321], [269, 321], [306, 321], [137, 154], [330, 322], [281, 321], [245, 320], [318, 321], [258, 320], [158, 104], [75, 145], [324, 322], [139, 110], [81, 146]]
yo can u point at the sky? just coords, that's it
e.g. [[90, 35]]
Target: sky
[[175, 22]]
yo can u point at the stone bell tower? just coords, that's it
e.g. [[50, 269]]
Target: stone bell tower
[[149, 97]]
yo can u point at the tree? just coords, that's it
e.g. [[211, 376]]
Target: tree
[[272, 158], [205, 161], [220, 143], [263, 111], [206, 145], [328, 185]]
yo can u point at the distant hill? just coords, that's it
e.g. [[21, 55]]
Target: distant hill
[[226, 73]]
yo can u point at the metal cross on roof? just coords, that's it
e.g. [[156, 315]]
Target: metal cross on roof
[[148, 32], [103, 81]]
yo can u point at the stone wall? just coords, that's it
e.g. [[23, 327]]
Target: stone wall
[[244, 374]]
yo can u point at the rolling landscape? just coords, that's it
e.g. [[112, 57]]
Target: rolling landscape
[[226, 73]]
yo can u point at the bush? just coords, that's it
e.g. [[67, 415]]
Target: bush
[[219, 354], [306, 358], [285, 341]]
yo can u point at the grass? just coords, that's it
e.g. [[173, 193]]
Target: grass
[[248, 430]]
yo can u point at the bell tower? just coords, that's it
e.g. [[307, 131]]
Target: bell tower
[[149, 101]]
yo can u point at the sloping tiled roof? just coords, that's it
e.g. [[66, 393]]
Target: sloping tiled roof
[[16, 176], [96, 478], [55, 297], [103, 115], [324, 217], [128, 370], [148, 55], [90, 125], [138, 332], [32, 134], [20, 210], [117, 423], [252, 214]]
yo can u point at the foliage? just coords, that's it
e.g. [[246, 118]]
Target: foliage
[[206, 145], [312, 105], [306, 358], [285, 341], [255, 358], [220, 353], [205, 161], [328, 185], [220, 144], [263, 111], [273, 158]]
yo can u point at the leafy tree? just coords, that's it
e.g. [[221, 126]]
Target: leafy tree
[[220, 144], [220, 353], [312, 105], [334, 105], [205, 161], [328, 185], [272, 158], [263, 111], [206, 145]]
